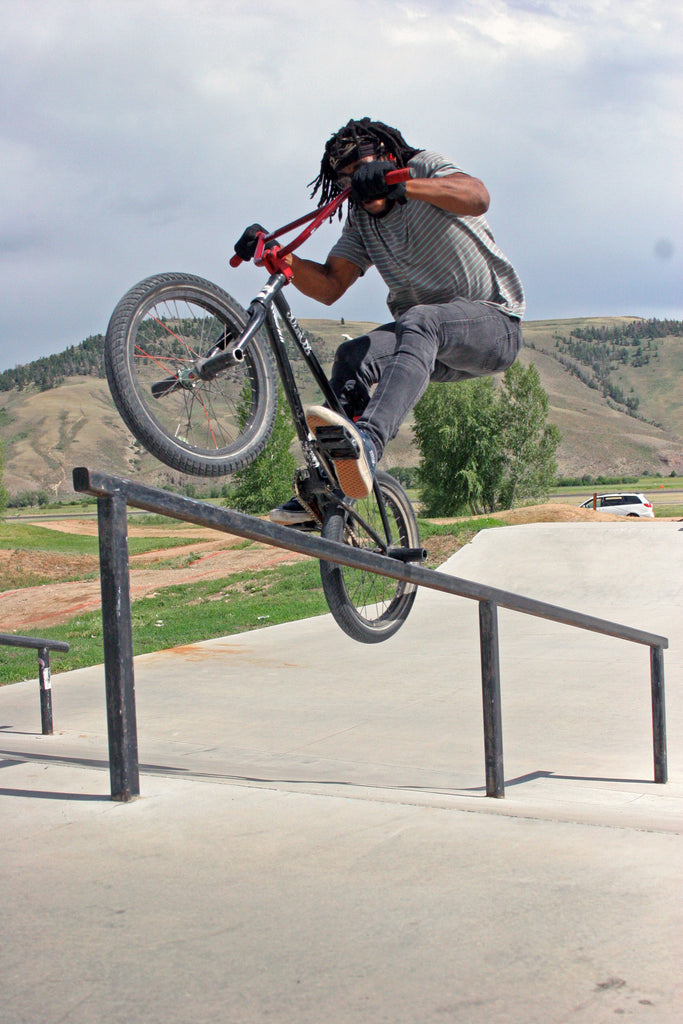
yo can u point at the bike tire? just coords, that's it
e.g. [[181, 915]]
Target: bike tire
[[204, 427], [368, 607]]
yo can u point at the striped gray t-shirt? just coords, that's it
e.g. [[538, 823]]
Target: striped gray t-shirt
[[426, 255]]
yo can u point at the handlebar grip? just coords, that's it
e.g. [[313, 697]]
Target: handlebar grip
[[400, 174], [236, 260]]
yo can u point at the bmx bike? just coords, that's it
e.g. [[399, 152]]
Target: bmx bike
[[195, 378]]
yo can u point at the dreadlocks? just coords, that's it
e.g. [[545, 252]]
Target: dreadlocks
[[352, 142]]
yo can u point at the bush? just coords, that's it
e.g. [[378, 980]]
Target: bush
[[29, 499], [484, 449], [407, 476], [267, 481]]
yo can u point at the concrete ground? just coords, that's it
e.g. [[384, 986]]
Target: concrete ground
[[313, 842]]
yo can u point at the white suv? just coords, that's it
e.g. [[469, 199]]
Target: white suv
[[622, 505]]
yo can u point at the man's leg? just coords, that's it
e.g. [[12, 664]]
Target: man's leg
[[451, 341], [359, 364]]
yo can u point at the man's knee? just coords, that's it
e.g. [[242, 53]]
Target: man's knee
[[350, 355], [346, 376]]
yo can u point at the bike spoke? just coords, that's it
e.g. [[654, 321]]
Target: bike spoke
[[141, 354], [208, 414], [371, 594], [164, 327]]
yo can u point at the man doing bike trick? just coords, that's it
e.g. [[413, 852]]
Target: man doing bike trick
[[456, 301]]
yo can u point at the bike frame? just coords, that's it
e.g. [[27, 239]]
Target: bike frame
[[272, 295], [260, 313]]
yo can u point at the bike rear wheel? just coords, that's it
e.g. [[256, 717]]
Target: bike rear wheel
[[204, 427], [368, 607]]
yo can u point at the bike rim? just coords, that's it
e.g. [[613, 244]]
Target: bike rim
[[168, 336], [376, 599]]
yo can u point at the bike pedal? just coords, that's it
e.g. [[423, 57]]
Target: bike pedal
[[335, 442], [310, 526]]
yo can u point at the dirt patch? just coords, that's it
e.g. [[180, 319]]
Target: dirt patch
[[213, 556], [209, 555], [551, 513], [88, 528], [19, 565], [441, 548]]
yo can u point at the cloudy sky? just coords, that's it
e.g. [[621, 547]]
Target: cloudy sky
[[139, 136]]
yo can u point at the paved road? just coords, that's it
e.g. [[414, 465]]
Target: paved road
[[313, 843]]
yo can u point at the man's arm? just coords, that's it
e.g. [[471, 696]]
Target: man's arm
[[325, 282], [457, 193]]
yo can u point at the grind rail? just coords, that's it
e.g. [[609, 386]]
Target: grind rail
[[114, 495], [43, 647]]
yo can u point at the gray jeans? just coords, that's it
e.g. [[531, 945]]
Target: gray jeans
[[451, 341]]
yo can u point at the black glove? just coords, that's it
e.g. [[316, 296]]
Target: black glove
[[368, 183], [245, 247]]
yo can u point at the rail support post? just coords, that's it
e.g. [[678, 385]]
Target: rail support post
[[490, 682], [118, 648], [658, 713], [45, 691]]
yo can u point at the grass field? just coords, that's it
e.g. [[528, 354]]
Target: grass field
[[189, 612], [25, 537], [651, 485], [241, 601]]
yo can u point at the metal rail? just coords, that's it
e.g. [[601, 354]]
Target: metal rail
[[43, 647], [114, 494]]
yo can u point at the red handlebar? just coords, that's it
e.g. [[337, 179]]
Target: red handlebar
[[314, 221]]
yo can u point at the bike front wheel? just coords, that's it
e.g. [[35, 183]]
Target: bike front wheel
[[156, 334], [368, 607]]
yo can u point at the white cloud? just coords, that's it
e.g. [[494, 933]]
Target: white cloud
[[138, 137]]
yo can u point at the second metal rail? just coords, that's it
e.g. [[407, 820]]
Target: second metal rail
[[43, 647], [115, 494]]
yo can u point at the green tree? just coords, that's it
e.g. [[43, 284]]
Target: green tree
[[456, 428], [529, 441], [267, 481], [483, 448]]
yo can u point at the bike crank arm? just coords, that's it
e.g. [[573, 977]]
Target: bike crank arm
[[400, 554]]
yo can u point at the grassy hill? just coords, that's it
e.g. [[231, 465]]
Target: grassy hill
[[47, 430], [599, 436]]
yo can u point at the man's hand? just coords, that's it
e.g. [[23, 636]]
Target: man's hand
[[245, 247], [368, 182]]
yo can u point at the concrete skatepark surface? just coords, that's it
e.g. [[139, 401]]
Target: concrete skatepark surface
[[313, 842]]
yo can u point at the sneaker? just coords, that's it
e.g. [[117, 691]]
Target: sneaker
[[351, 450], [292, 513]]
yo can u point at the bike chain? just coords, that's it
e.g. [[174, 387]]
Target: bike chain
[[349, 531], [315, 513]]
